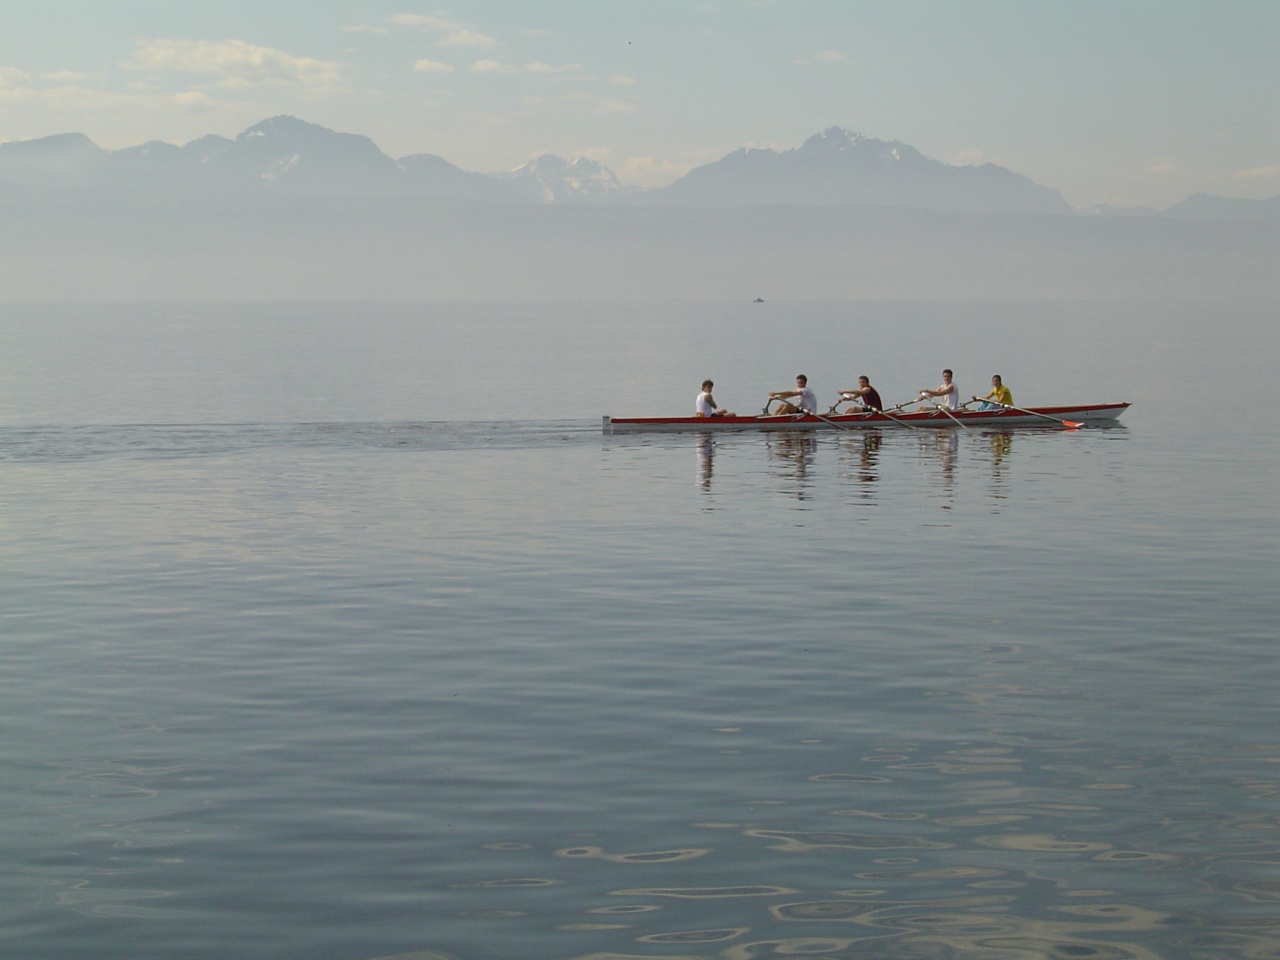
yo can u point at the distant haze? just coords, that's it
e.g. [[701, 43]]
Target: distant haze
[[292, 210]]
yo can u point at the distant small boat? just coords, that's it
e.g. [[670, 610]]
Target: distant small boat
[[758, 300], [1098, 414]]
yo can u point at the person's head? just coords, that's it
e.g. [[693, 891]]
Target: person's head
[[946, 374], [995, 380], [864, 381], [707, 384], [801, 380]]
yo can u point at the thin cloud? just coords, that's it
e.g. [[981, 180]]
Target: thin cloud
[[594, 103], [431, 66], [193, 101], [234, 63], [492, 66], [13, 77], [364, 28], [1163, 168], [451, 33], [466, 38], [70, 76], [421, 20], [539, 67], [1258, 173], [73, 98]]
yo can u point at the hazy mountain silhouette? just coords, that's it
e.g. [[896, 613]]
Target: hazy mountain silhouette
[[33, 170], [284, 158], [1205, 206], [552, 179], [841, 168], [287, 158], [291, 210], [429, 177], [295, 156]]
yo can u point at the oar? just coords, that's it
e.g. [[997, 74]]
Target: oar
[[1068, 424], [841, 426], [898, 406], [866, 412], [946, 411], [803, 413], [889, 412], [888, 415]]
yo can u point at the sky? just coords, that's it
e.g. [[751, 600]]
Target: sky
[[1120, 102]]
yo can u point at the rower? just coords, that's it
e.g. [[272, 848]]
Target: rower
[[865, 394], [705, 404], [805, 400], [1000, 396], [946, 392]]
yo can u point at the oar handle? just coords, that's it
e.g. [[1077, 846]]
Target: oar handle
[[765, 412]]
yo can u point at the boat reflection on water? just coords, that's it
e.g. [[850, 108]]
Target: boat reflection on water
[[1001, 442], [795, 453], [866, 457], [706, 460], [862, 458], [942, 447]]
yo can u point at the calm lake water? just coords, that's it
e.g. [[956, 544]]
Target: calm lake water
[[342, 632]]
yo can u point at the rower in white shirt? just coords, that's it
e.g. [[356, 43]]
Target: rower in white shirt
[[705, 404], [800, 400], [947, 392]]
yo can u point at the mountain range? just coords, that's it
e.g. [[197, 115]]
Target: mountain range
[[290, 210], [289, 159]]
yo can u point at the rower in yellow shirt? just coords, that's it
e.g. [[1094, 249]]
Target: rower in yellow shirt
[[1000, 394]]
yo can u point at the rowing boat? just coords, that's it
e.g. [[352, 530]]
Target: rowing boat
[[1098, 414]]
